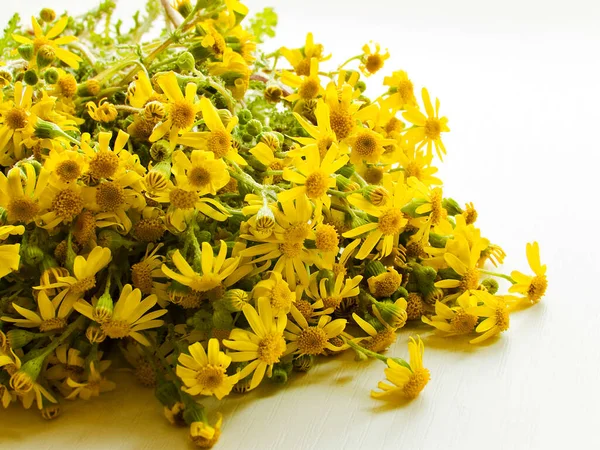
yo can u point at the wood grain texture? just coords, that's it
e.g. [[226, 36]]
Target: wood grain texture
[[519, 83]]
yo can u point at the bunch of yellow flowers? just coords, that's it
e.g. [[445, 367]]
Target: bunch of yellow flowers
[[221, 220]]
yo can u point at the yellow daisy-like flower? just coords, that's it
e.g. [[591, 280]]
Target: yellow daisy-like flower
[[307, 86], [105, 162], [95, 384], [266, 156], [306, 339], [462, 258], [9, 253], [52, 314], [277, 291], [145, 275], [214, 270], [437, 216], [84, 273], [321, 135], [218, 140], [418, 165], [201, 172], [390, 219], [313, 176], [332, 294], [532, 287], [262, 347], [408, 380], [427, 130], [403, 96], [372, 60], [65, 166], [49, 42], [16, 115], [342, 109], [236, 68], [181, 110], [140, 91], [105, 111], [377, 340], [206, 374], [367, 146], [456, 320], [129, 317], [20, 193], [300, 58], [495, 309]]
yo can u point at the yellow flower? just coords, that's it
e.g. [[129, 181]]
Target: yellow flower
[[234, 71], [372, 61], [321, 136], [495, 309], [16, 116], [146, 273], [140, 91], [427, 130], [300, 58], [367, 146], [408, 380], [378, 340], [201, 172], [390, 219], [314, 176], [418, 165], [403, 96], [277, 291], [532, 287], [104, 112], [105, 162], [206, 374], [462, 258], [308, 339], [432, 207], [456, 320], [181, 110], [95, 384], [129, 316], [9, 253], [20, 193], [84, 273], [332, 294], [65, 166], [60, 204], [49, 42], [342, 109], [218, 140], [308, 86], [202, 434], [52, 314], [214, 270], [262, 346]]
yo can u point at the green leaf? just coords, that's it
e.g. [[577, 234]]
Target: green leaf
[[263, 24], [11, 27]]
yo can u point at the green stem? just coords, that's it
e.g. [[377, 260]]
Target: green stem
[[349, 60], [499, 275]]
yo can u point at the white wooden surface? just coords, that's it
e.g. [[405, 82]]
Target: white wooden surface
[[519, 83]]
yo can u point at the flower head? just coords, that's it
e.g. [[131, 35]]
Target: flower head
[[533, 287]]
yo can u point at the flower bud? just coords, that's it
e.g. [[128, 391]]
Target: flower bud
[[95, 334], [244, 116], [30, 77], [270, 139], [451, 206], [104, 308], [374, 268], [186, 61], [45, 56], [184, 7], [490, 285], [437, 240], [90, 88], [390, 313], [5, 78], [281, 372], [254, 127], [273, 93], [26, 51], [22, 380], [47, 15], [222, 319], [18, 338], [347, 171], [225, 116], [50, 412], [51, 76], [303, 363], [346, 185], [235, 299]]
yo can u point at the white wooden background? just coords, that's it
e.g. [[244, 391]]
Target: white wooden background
[[519, 81]]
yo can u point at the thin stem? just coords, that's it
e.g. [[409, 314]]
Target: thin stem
[[349, 60], [499, 275]]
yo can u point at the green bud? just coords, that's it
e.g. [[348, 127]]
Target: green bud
[[390, 313], [346, 185], [204, 236], [235, 299], [254, 127], [411, 207], [425, 277], [114, 240], [184, 7], [490, 285], [161, 151], [225, 116], [437, 240], [400, 293], [452, 206], [374, 268], [347, 170], [26, 51], [247, 138], [358, 222], [222, 319], [186, 61], [45, 56], [281, 372], [51, 75], [32, 254], [18, 338], [23, 379], [244, 116], [202, 320], [361, 86], [166, 392], [303, 363], [329, 275], [30, 77], [104, 308], [47, 15]]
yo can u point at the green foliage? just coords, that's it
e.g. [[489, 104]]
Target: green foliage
[[7, 41], [263, 24]]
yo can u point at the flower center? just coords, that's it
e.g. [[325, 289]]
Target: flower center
[[537, 288], [312, 341], [56, 323], [308, 89], [141, 276], [437, 210], [104, 164], [366, 146], [341, 122], [291, 249], [463, 323], [210, 377], [374, 63], [303, 67], [305, 308], [412, 169], [182, 114], [67, 204], [219, 142], [332, 302], [110, 196], [22, 209], [417, 381], [405, 89], [281, 296], [381, 341], [206, 282], [432, 128], [326, 238], [116, 329], [68, 171], [198, 177], [391, 221], [67, 85], [16, 118], [83, 285], [502, 319], [470, 280], [297, 232], [38, 42], [316, 184], [394, 125], [149, 230], [323, 145], [182, 199], [270, 348]]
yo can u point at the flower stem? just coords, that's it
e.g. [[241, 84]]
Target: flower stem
[[499, 275]]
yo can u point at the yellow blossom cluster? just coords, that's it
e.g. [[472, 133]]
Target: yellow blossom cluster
[[223, 216]]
